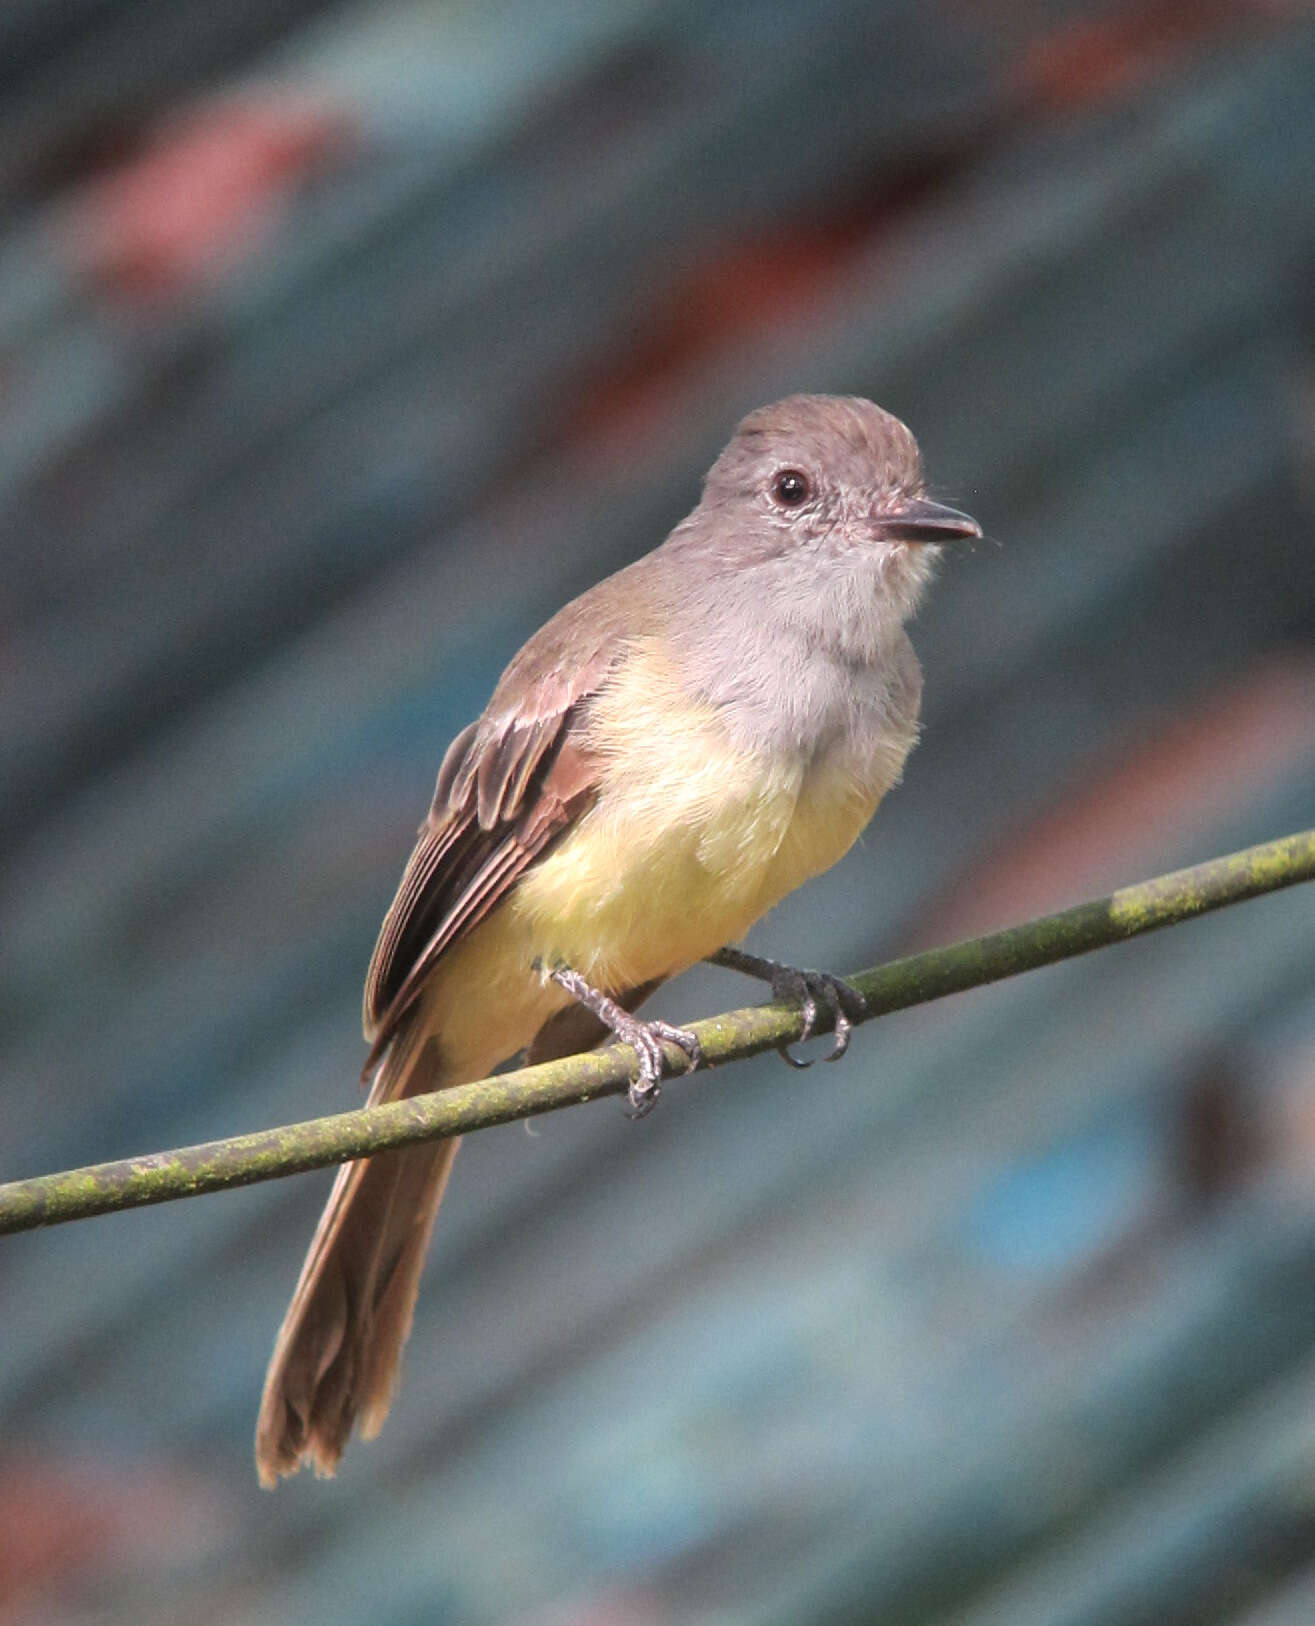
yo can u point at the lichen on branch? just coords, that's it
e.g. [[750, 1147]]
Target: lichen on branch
[[270, 1154]]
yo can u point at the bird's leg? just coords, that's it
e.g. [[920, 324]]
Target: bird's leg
[[808, 989], [646, 1038]]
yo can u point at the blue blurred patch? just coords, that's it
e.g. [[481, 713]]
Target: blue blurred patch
[[1072, 1203]]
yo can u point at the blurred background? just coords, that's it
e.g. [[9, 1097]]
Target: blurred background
[[340, 344]]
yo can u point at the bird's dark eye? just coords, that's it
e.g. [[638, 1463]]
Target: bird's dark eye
[[791, 487]]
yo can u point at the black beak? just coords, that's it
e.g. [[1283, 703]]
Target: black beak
[[916, 519]]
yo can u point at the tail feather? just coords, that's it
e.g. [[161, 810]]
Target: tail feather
[[337, 1355], [338, 1351]]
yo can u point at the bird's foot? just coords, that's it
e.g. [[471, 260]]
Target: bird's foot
[[646, 1038], [812, 991]]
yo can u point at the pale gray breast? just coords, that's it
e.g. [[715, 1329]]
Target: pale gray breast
[[800, 659], [780, 694]]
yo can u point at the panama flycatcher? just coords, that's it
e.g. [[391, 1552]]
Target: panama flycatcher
[[669, 756]]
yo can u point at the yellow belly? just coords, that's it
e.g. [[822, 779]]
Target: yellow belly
[[688, 843]]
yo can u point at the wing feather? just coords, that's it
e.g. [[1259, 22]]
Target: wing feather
[[454, 763], [510, 785]]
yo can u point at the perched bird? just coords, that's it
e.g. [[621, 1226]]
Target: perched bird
[[667, 758]]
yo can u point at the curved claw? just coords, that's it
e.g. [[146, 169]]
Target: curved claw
[[789, 984], [646, 1085], [838, 994], [683, 1038], [840, 998], [645, 1038], [789, 1057], [643, 1097], [843, 1030]]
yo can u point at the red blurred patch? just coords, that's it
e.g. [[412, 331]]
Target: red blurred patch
[[756, 283], [751, 284], [64, 1522], [1089, 59], [629, 1607], [198, 197], [768, 278], [1294, 1136], [1140, 801]]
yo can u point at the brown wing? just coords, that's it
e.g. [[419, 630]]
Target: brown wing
[[509, 785]]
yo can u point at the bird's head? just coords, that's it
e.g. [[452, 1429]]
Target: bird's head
[[834, 480]]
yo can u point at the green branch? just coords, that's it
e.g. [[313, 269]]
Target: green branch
[[271, 1153]]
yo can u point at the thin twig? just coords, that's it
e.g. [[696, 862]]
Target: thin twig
[[272, 1153]]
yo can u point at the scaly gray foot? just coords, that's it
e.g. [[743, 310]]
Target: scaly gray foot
[[812, 991], [646, 1038]]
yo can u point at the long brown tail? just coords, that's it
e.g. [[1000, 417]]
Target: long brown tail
[[337, 1353]]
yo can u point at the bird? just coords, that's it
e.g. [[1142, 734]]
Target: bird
[[665, 759]]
